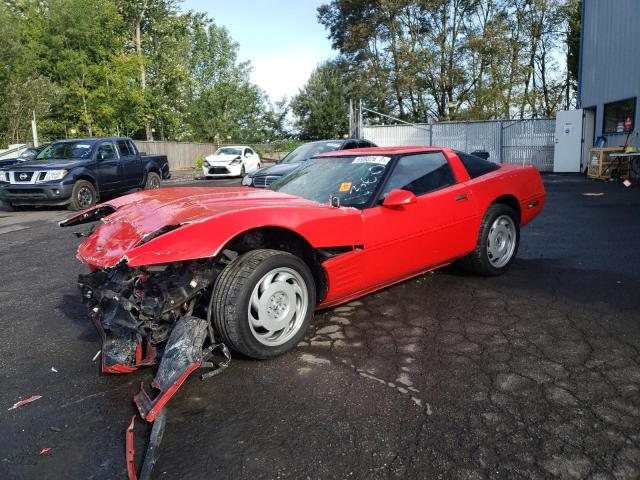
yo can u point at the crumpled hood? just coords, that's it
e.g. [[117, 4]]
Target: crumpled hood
[[146, 216]]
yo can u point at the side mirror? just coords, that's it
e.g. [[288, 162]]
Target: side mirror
[[398, 198]]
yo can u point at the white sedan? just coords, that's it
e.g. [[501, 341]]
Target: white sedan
[[232, 161]]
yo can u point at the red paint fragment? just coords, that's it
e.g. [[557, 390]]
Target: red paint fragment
[[130, 452], [19, 404], [46, 451]]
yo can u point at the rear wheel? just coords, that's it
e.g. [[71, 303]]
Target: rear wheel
[[497, 244], [153, 181], [263, 302], [83, 195]]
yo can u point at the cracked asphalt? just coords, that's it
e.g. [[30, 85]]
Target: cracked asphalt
[[535, 374]]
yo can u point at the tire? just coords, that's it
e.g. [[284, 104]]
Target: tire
[[153, 181], [83, 195], [239, 283], [242, 171], [500, 226]]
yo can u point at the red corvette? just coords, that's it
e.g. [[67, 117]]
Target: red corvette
[[175, 269]]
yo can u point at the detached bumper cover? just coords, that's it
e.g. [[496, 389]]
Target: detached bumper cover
[[182, 355]]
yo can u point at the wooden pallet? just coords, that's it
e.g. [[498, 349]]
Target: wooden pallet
[[602, 166]]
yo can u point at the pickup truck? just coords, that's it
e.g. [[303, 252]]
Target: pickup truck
[[80, 172]]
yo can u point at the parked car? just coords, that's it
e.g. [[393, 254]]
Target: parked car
[[266, 176], [24, 154], [248, 267], [79, 172], [232, 161]]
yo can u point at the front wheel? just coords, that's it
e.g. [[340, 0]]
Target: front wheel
[[263, 302], [83, 195], [153, 181], [497, 244]]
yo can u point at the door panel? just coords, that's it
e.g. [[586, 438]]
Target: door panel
[[109, 168], [568, 138], [132, 170], [434, 230], [404, 240]]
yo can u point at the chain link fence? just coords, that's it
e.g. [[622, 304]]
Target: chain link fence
[[507, 141]]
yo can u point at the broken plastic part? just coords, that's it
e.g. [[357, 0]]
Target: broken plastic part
[[182, 355], [130, 451]]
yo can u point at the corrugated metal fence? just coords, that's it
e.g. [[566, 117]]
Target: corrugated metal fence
[[507, 141]]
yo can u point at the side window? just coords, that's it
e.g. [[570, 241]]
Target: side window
[[106, 151], [476, 166], [248, 152], [421, 173], [349, 145], [123, 148], [365, 144], [132, 147]]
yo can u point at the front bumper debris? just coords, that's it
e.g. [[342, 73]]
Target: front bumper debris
[[182, 355], [154, 315]]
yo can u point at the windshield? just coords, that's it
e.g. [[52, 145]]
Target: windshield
[[308, 150], [67, 151], [228, 151], [353, 180]]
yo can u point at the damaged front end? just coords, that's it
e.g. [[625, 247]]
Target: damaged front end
[[155, 314], [135, 309]]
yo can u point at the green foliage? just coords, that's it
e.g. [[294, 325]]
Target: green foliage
[[453, 59], [321, 107], [199, 161], [127, 67], [284, 145]]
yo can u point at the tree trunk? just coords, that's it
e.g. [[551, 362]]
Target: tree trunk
[[143, 73]]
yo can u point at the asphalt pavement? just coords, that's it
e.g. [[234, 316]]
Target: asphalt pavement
[[535, 374]]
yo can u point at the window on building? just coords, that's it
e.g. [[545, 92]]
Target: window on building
[[615, 114]]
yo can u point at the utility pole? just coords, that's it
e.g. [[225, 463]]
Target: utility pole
[[34, 130]]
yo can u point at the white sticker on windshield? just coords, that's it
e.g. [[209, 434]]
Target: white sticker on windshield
[[83, 145], [378, 159]]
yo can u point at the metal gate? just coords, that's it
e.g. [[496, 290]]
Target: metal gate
[[507, 141]]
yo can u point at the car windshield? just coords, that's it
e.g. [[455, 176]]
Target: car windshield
[[67, 150], [228, 151], [308, 150], [354, 180]]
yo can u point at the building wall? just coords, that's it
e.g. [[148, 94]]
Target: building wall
[[610, 63]]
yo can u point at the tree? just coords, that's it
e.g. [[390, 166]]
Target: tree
[[226, 106], [453, 59], [321, 105]]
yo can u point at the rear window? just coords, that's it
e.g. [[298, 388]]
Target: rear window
[[476, 166], [123, 148]]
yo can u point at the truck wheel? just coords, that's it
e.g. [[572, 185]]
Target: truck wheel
[[498, 242], [83, 195], [153, 181], [262, 303]]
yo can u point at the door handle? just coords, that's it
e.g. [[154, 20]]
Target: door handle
[[460, 198]]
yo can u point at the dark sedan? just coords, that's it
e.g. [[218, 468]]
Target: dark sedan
[[264, 177]]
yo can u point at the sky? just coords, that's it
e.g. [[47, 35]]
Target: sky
[[281, 38]]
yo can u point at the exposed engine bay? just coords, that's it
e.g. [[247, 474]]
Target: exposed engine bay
[[135, 309]]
